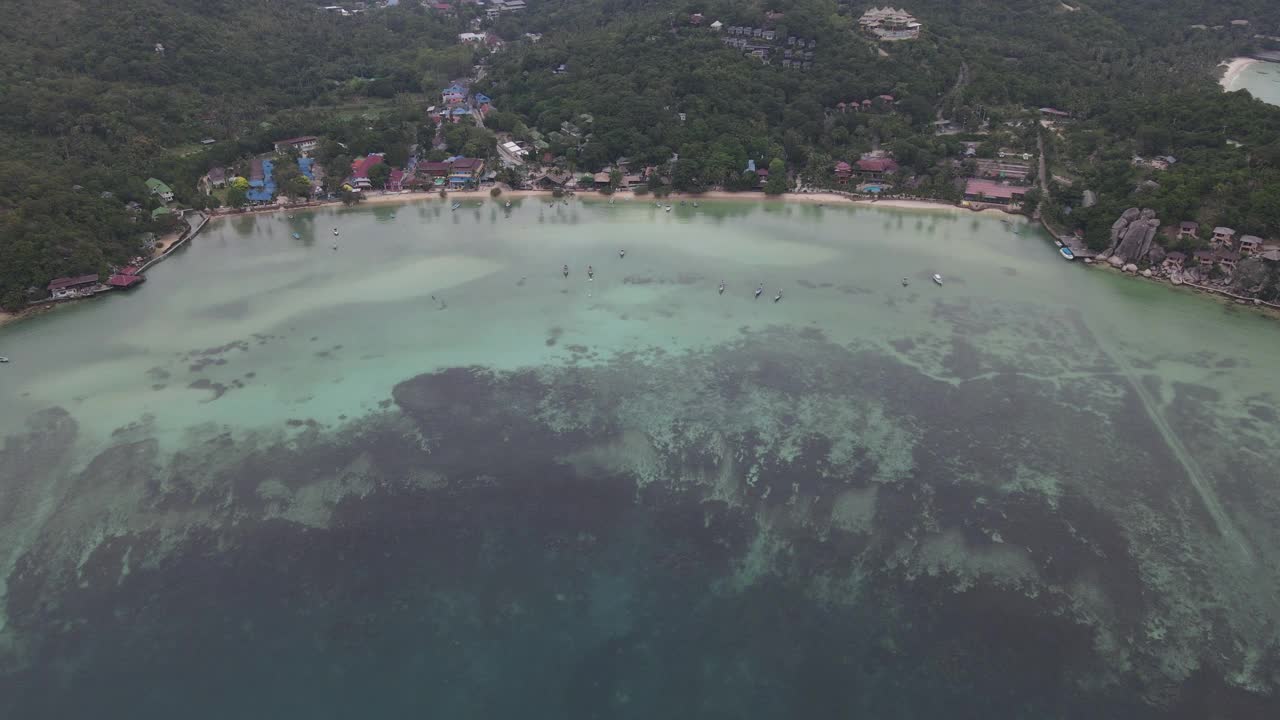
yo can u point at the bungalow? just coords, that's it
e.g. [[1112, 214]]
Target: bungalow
[[843, 172], [157, 187], [1049, 113], [695, 19], [1249, 244], [470, 38], [1188, 230], [1173, 260], [305, 143], [1227, 258], [1204, 258], [1223, 236], [465, 171], [601, 179], [991, 192], [875, 168], [717, 25], [72, 286], [1271, 256]]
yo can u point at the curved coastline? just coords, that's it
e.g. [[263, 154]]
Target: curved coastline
[[1233, 69]]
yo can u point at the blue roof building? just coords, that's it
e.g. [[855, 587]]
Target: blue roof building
[[262, 191], [482, 98]]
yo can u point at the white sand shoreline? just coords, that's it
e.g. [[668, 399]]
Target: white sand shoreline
[[1233, 69]]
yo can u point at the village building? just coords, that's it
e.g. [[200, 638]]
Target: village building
[[160, 189], [1173, 260], [1223, 236], [69, 287], [303, 144], [890, 24], [1188, 230], [843, 172], [1204, 258]]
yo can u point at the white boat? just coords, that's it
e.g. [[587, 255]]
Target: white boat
[[1066, 253], [668, 208], [456, 206], [3, 359], [937, 278]]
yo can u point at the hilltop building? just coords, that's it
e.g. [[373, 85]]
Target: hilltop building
[[890, 24]]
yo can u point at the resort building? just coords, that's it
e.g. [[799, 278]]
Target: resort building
[[1223, 236], [890, 24], [1188, 230], [992, 193], [68, 287], [160, 189], [876, 168], [843, 172]]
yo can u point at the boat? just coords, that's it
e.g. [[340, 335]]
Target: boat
[[296, 236], [456, 206], [1066, 253], [668, 208], [695, 203], [937, 278], [1058, 243], [904, 282], [3, 359], [335, 232], [508, 205]]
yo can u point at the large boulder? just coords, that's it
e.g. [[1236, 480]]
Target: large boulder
[[1132, 234], [1115, 261], [1156, 254]]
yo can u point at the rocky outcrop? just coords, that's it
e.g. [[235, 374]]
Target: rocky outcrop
[[1132, 235]]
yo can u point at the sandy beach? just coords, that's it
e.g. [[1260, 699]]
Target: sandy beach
[[1234, 68], [817, 198]]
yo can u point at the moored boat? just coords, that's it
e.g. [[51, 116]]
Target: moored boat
[[456, 206], [937, 278], [1066, 253]]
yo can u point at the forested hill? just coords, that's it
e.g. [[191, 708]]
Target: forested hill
[[101, 94]]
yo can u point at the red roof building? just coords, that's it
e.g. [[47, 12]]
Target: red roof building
[[843, 172], [990, 191], [877, 166], [360, 168], [122, 280]]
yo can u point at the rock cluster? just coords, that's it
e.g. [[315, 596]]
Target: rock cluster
[[1132, 236]]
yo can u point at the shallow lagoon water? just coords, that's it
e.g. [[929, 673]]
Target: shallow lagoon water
[[425, 473], [1261, 79]]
